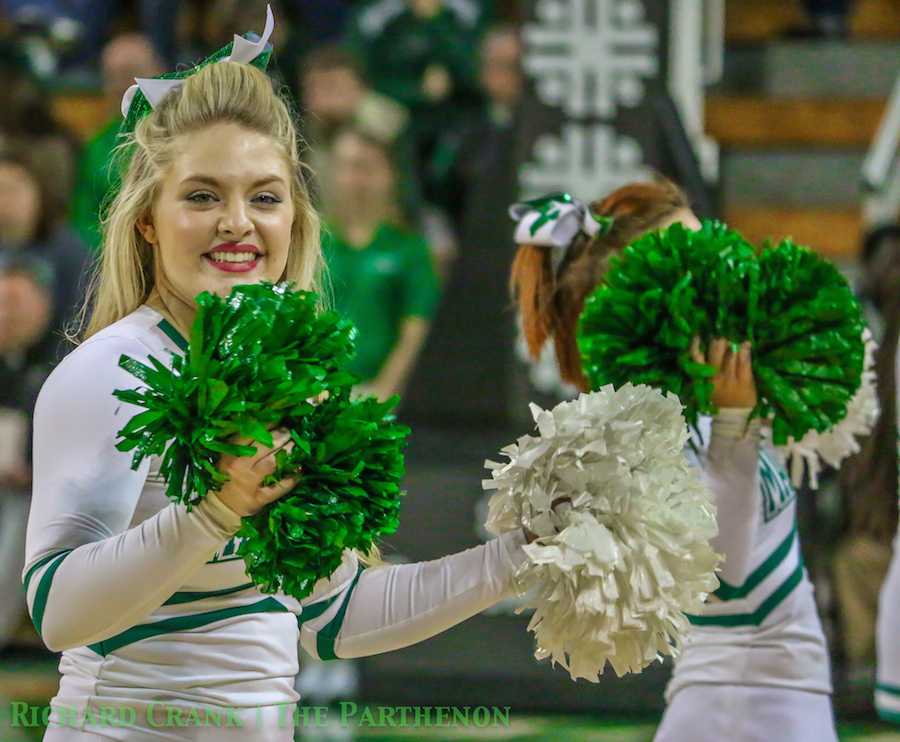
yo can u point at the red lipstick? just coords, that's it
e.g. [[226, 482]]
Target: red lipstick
[[233, 248]]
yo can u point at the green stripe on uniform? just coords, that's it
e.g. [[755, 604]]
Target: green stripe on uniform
[[308, 613], [183, 623], [760, 614], [187, 597], [731, 592], [35, 567], [884, 688], [173, 334], [327, 635], [43, 591]]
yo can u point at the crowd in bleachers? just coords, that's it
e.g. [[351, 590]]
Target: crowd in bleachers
[[412, 115]]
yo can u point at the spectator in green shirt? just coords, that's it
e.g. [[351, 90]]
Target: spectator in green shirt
[[124, 58], [381, 272]]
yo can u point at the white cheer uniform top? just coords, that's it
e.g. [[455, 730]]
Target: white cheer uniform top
[[149, 603], [761, 626]]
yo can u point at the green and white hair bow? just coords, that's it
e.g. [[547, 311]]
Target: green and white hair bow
[[147, 93], [553, 221]]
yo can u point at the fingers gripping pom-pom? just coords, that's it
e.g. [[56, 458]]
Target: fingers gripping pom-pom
[[265, 358], [667, 288], [611, 576]]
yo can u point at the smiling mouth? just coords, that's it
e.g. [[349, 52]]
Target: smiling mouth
[[235, 259]]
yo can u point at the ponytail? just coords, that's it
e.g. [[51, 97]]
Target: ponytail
[[549, 302], [531, 283]]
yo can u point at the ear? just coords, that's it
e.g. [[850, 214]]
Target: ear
[[146, 228]]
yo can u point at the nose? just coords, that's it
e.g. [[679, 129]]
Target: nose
[[235, 223]]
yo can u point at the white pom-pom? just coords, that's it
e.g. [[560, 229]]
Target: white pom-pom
[[610, 577], [841, 440]]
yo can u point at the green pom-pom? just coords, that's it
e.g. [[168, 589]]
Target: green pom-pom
[[349, 455], [809, 353], [666, 288], [804, 324], [256, 361]]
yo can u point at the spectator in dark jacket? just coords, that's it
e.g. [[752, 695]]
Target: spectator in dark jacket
[[477, 166]]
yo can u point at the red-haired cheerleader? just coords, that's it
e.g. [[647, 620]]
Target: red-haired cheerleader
[[755, 666]]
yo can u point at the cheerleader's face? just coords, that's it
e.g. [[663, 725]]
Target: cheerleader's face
[[223, 214]]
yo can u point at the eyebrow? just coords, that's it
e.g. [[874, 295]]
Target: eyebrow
[[209, 180]]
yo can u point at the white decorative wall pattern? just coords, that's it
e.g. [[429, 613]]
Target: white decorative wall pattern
[[587, 160], [590, 56]]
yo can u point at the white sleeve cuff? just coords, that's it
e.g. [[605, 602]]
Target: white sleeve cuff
[[219, 514], [512, 551], [732, 422]]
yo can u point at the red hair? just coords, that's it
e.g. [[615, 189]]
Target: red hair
[[549, 305]]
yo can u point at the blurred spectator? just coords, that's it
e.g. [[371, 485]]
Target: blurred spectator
[[25, 308], [26, 115], [487, 147], [420, 53], [30, 227], [40, 267], [74, 31], [476, 165], [869, 479], [58, 35], [125, 57], [381, 271], [335, 95]]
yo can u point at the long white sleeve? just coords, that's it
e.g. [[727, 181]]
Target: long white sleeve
[[87, 574], [731, 471], [391, 607]]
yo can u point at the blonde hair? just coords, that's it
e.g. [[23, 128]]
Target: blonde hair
[[220, 92]]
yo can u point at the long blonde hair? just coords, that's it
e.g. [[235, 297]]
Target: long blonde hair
[[220, 92]]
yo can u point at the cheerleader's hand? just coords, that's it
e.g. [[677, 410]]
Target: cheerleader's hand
[[733, 384], [243, 492], [560, 506]]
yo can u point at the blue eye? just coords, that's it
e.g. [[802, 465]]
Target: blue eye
[[200, 197], [268, 198]]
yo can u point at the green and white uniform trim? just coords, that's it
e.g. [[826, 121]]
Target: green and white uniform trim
[[147, 600], [761, 626]]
